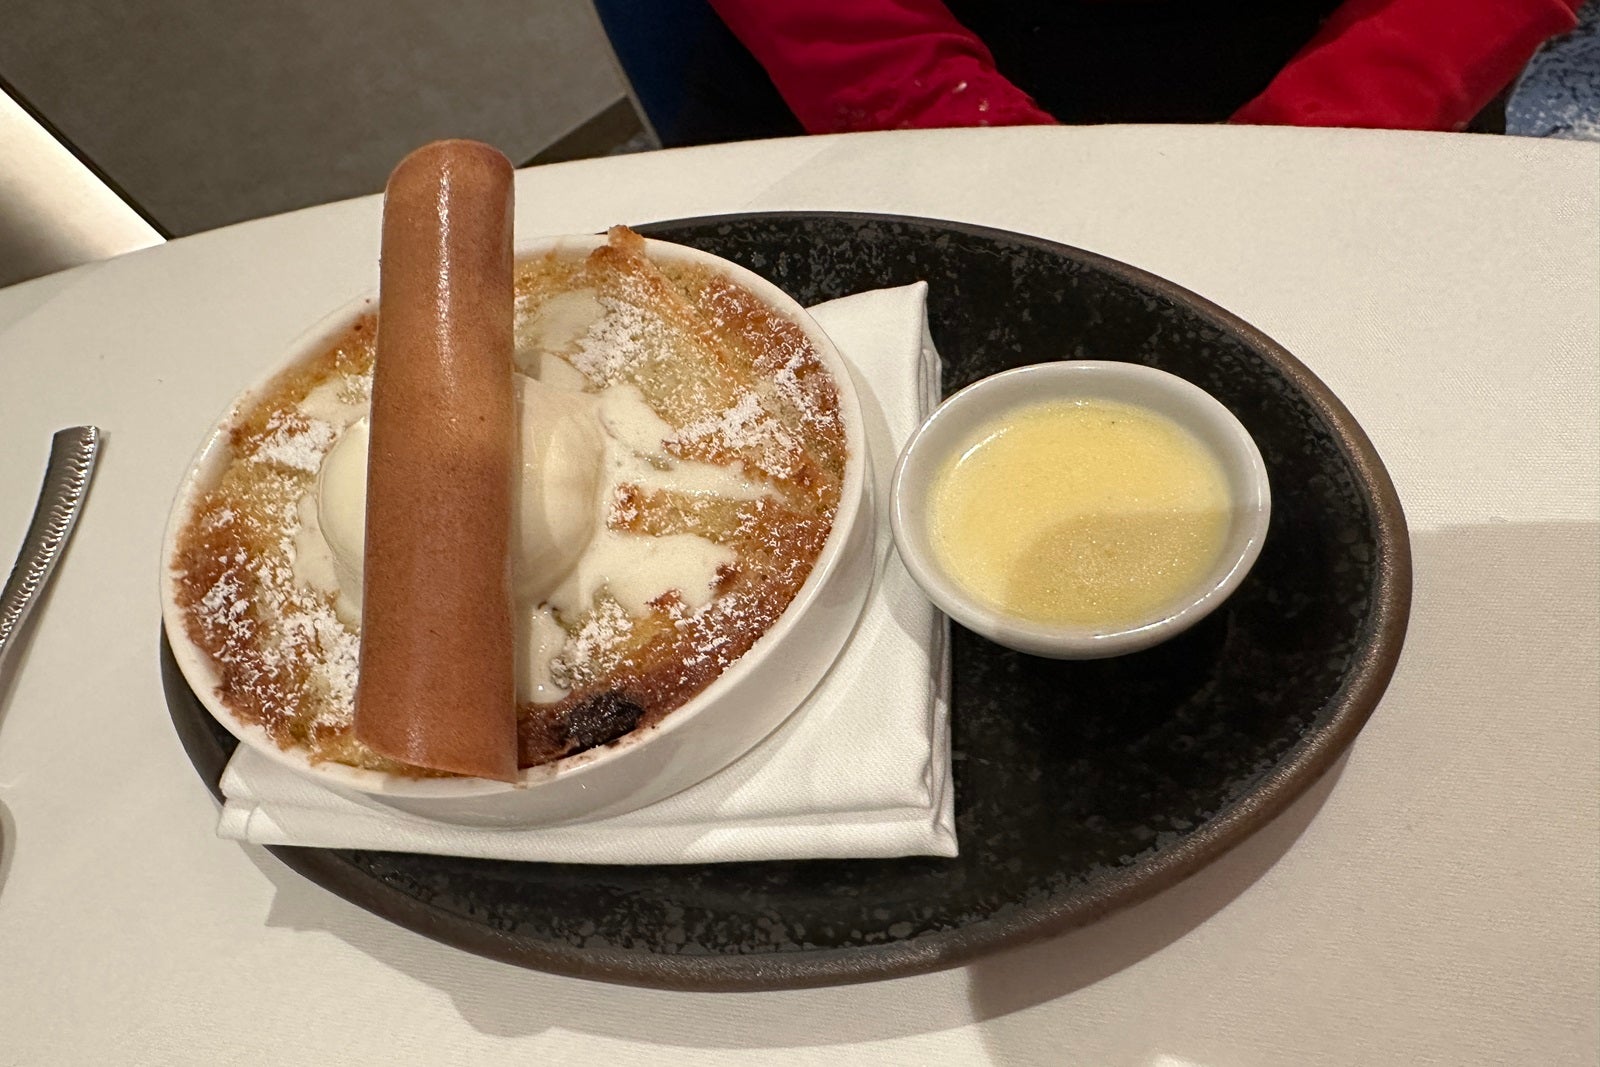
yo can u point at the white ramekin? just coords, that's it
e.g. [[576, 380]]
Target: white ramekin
[[751, 698], [950, 428]]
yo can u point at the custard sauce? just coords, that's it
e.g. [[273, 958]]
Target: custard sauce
[[1084, 512]]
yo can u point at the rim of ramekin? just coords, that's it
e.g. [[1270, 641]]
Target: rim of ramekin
[[973, 406], [205, 464]]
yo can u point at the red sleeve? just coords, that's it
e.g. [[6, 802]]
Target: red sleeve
[[846, 65], [1408, 64]]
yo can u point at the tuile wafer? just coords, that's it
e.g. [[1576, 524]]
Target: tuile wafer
[[437, 684]]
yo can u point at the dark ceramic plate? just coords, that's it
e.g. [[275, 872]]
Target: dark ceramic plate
[[1080, 787]]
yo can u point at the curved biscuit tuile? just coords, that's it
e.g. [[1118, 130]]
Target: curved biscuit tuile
[[437, 686]]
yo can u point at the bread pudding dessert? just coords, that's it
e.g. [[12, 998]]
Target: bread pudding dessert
[[679, 461]]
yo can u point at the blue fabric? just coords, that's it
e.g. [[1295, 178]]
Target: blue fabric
[[693, 79], [1558, 94]]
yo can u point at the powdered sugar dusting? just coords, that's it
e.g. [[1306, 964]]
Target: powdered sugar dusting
[[732, 384], [280, 645], [802, 393], [745, 427], [616, 342], [295, 441], [607, 629]]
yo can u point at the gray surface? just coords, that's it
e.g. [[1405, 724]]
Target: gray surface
[[207, 114]]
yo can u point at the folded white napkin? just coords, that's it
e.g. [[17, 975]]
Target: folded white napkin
[[862, 769]]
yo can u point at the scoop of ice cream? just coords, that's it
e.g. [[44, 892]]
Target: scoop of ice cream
[[557, 512], [342, 505], [563, 448]]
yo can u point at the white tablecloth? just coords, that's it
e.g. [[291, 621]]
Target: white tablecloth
[[1436, 899]]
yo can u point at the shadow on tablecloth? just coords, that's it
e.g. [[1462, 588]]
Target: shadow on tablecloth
[[8, 845], [509, 1002], [1458, 867], [1475, 698]]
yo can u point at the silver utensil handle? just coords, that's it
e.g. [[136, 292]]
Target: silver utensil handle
[[66, 482]]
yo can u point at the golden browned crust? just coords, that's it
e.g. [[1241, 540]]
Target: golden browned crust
[[280, 651], [737, 381]]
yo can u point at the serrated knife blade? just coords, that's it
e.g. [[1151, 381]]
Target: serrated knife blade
[[73, 452]]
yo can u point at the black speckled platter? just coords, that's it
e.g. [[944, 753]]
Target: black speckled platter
[[1080, 787]]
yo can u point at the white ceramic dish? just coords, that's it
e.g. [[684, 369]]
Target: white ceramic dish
[[950, 427], [748, 701]]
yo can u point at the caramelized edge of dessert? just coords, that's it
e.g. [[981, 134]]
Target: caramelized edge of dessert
[[741, 344]]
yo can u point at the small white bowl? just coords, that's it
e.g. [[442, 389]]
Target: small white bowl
[[950, 428], [750, 699]]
